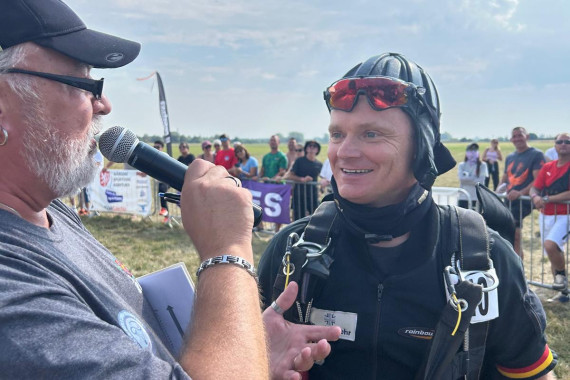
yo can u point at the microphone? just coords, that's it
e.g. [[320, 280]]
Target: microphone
[[119, 144]]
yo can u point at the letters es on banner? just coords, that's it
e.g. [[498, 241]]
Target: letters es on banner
[[274, 199]]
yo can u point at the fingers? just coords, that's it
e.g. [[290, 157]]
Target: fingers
[[303, 361], [315, 333], [314, 352], [287, 298], [197, 169]]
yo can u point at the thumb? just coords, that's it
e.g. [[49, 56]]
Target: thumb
[[287, 298]]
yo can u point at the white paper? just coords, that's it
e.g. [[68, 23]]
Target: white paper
[[170, 292]]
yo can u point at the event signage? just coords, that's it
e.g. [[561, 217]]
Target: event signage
[[121, 191], [274, 199]]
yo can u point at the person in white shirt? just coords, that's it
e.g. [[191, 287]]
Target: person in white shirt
[[550, 154], [470, 172]]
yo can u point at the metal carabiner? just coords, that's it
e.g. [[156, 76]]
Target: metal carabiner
[[288, 267], [490, 274]]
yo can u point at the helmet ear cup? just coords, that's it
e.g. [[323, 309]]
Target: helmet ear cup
[[424, 165]]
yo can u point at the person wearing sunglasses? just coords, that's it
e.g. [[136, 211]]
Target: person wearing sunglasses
[[207, 151], [185, 156], [521, 168], [378, 268], [69, 309], [550, 189], [226, 156]]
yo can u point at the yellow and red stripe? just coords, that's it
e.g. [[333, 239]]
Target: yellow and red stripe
[[522, 373]]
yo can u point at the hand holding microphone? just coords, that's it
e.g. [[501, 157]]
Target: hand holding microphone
[[121, 145]]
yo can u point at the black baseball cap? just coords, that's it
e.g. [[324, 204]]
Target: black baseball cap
[[52, 24]]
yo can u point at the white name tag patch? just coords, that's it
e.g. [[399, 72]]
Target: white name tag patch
[[345, 320]]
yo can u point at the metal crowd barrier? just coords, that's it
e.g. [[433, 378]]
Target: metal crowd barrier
[[449, 195], [536, 262]]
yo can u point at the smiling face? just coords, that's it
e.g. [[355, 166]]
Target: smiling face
[[274, 143], [519, 138], [370, 153]]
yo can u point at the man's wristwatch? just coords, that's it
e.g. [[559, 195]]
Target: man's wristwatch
[[545, 199]]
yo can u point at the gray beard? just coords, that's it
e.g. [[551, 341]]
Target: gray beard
[[64, 165]]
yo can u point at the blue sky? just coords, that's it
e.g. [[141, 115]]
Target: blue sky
[[251, 68]]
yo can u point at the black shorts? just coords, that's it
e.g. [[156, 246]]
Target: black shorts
[[520, 208]]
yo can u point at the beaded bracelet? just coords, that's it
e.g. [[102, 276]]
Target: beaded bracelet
[[228, 259]]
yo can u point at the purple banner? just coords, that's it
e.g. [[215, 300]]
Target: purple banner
[[274, 199]]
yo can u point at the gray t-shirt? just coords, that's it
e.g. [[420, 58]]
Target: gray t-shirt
[[519, 168], [69, 309]]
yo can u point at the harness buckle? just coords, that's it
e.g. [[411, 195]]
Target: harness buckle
[[490, 275], [313, 249]]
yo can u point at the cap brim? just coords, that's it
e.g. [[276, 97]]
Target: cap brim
[[97, 49]]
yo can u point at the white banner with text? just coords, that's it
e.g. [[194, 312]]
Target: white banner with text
[[121, 191]]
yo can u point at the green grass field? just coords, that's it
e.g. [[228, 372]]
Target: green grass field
[[147, 245]]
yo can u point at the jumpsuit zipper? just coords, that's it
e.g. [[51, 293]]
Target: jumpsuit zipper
[[380, 290]]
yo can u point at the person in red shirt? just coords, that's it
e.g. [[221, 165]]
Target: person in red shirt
[[551, 187], [226, 157]]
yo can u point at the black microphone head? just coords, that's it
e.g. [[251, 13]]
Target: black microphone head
[[117, 143]]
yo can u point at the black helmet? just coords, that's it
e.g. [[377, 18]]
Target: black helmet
[[432, 158]]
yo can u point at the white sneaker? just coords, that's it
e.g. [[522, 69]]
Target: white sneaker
[[560, 297], [560, 282]]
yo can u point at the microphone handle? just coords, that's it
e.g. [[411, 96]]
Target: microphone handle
[[164, 168]]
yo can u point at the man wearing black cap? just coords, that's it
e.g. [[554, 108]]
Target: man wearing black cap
[[68, 307], [378, 259]]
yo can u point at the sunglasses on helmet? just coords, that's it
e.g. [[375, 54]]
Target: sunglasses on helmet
[[381, 92]]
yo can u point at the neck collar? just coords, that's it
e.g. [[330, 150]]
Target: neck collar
[[376, 224]]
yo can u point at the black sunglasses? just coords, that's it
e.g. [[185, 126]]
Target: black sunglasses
[[92, 85], [560, 142], [298, 150]]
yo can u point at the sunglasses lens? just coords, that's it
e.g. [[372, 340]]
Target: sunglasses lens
[[381, 92], [560, 142]]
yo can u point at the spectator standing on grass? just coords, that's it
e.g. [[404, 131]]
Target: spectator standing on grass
[[300, 151], [521, 168], [226, 156], [274, 163], [217, 147], [326, 175], [185, 156], [550, 154], [68, 308], [492, 156], [551, 187], [247, 165], [306, 169], [207, 151], [291, 152], [162, 187], [470, 172]]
